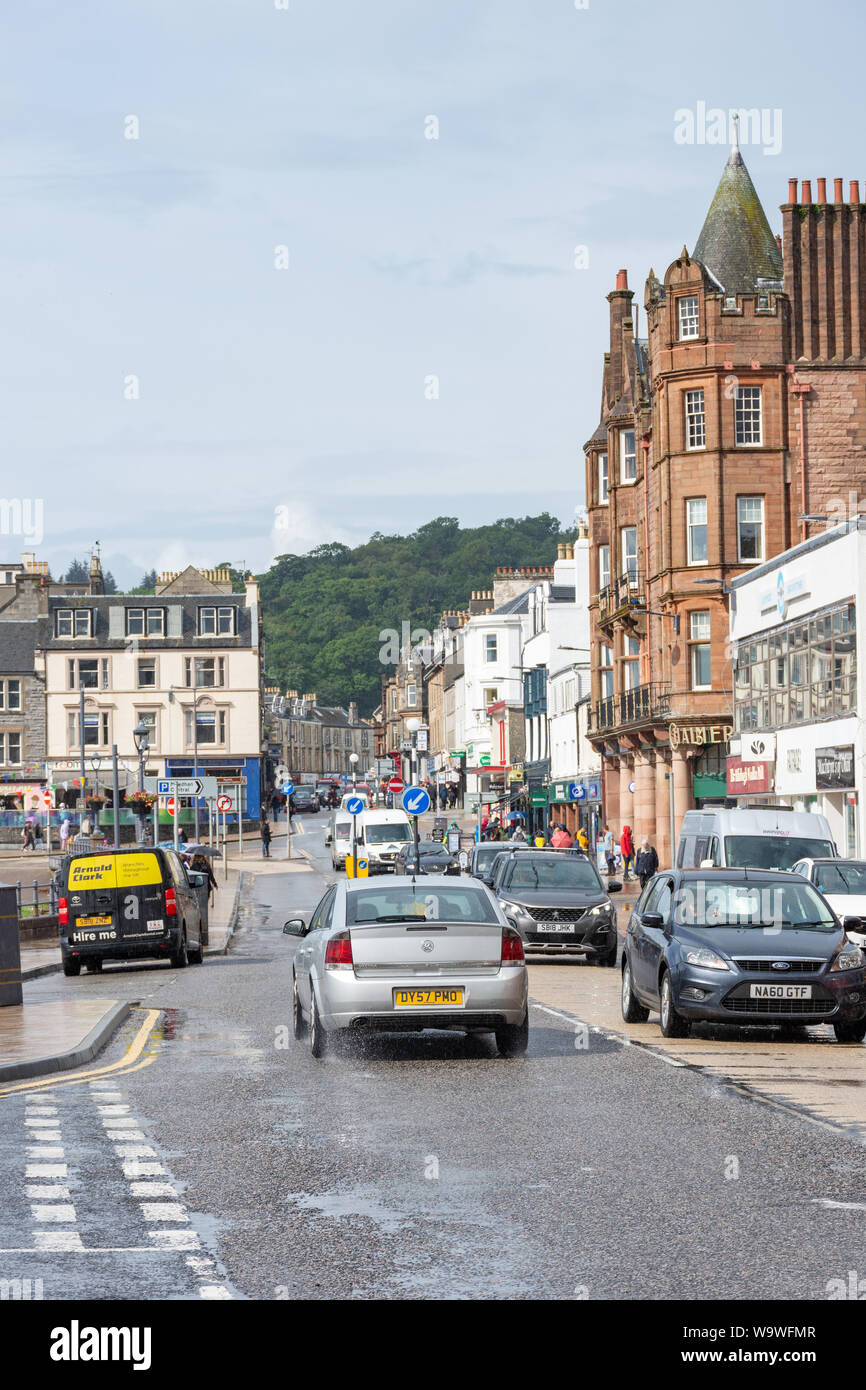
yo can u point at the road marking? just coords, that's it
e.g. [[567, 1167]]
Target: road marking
[[46, 1170], [41, 1191], [125, 1134], [153, 1189], [58, 1240], [175, 1240], [213, 1291], [163, 1211], [839, 1206], [134, 1151], [54, 1212], [124, 1065], [45, 1151], [133, 1169]]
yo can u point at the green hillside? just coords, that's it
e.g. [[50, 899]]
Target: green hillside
[[324, 611]]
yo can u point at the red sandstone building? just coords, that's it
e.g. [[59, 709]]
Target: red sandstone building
[[743, 412]]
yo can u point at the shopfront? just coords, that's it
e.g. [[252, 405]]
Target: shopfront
[[576, 803]]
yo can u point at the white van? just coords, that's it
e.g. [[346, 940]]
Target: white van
[[381, 836], [752, 837], [338, 835], [347, 797]]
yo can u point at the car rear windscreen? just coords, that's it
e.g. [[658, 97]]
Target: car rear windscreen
[[844, 876], [408, 904], [773, 851]]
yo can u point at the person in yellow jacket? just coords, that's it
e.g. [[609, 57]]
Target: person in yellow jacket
[[582, 839]]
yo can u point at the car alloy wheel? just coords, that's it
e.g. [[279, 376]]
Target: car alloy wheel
[[673, 1025], [632, 1011]]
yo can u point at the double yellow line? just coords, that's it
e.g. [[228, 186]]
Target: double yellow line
[[128, 1062]]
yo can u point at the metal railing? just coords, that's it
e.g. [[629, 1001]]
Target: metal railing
[[623, 592], [643, 702], [35, 899]]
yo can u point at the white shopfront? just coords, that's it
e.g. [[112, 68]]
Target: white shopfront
[[797, 632]]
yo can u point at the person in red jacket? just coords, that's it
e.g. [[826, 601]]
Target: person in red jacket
[[627, 849]]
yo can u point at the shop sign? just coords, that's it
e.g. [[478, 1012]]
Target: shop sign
[[515, 774], [834, 767], [699, 735], [744, 779], [758, 748]]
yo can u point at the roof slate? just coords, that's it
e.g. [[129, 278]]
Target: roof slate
[[736, 244]]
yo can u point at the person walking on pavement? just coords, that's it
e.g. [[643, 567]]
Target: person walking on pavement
[[266, 840], [182, 836], [518, 834], [64, 834], [560, 839], [607, 845], [627, 849], [646, 862], [27, 836], [582, 839]]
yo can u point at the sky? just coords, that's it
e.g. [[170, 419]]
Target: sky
[[283, 272]]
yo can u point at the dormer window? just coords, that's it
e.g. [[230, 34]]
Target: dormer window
[[73, 622], [689, 318]]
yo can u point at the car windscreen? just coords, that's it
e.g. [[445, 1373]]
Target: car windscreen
[[342, 830], [387, 834], [553, 871], [770, 905], [845, 876], [773, 851], [410, 904]]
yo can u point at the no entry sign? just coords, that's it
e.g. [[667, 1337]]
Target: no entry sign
[[396, 785], [169, 805]]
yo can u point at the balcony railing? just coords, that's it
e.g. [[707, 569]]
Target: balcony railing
[[621, 594], [636, 706]]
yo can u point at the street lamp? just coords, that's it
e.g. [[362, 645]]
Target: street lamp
[[195, 700], [141, 736], [353, 759], [412, 726]]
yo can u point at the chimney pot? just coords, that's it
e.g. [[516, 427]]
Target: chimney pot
[[792, 190], [806, 195], [837, 191], [622, 279], [778, 241], [822, 191], [854, 191]]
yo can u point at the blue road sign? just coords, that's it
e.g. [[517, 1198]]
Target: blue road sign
[[416, 800], [355, 805], [288, 788], [163, 788]]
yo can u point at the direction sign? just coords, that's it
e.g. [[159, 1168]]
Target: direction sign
[[182, 786], [396, 785], [288, 788], [355, 805], [416, 800]]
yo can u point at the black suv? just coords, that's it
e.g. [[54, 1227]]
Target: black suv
[[119, 904], [556, 901]]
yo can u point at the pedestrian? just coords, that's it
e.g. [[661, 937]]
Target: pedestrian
[[27, 836], [626, 846], [182, 836], [292, 809], [518, 834], [539, 840], [560, 839], [85, 828], [37, 836], [646, 863], [64, 833], [582, 839], [266, 840], [607, 845], [452, 796], [200, 864]]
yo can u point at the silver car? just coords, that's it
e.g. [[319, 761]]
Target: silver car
[[400, 955]]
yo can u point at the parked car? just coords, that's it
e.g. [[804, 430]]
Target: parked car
[[843, 883], [483, 857], [306, 800], [125, 904], [433, 858], [752, 837], [739, 946], [556, 900], [401, 956]]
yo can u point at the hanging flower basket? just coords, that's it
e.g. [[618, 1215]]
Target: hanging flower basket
[[96, 803], [141, 802]]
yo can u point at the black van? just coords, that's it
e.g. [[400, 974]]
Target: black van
[[122, 904]]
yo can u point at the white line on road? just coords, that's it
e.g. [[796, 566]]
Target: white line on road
[[42, 1191], [54, 1212], [46, 1170], [839, 1206]]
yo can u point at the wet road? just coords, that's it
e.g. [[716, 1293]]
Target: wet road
[[222, 1161]]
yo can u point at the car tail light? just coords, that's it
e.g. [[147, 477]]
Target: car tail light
[[512, 947], [63, 912], [338, 952], [170, 903]]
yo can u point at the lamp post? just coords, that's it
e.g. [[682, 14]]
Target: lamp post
[[141, 738], [412, 726], [353, 759]]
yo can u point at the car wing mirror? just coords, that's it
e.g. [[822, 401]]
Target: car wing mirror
[[197, 880], [852, 924], [708, 864], [614, 885], [653, 920], [296, 926]]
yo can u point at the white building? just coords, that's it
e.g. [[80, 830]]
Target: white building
[[797, 630]]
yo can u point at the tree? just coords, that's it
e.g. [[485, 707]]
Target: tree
[[78, 572]]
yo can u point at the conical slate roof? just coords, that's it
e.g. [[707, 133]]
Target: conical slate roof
[[736, 244]]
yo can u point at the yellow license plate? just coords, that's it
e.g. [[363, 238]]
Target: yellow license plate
[[428, 998], [93, 922]]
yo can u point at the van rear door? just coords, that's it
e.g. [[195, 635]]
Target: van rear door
[[114, 898]]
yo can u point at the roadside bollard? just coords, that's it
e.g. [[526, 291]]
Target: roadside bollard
[[10, 949]]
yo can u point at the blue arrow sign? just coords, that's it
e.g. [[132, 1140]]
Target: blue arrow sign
[[416, 800], [355, 805], [288, 788]]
